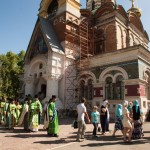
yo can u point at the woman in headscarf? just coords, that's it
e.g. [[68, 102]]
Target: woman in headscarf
[[126, 123], [118, 119], [137, 120], [104, 116]]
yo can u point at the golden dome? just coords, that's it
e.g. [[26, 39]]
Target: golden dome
[[136, 10]]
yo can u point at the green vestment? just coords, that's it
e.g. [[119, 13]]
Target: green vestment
[[3, 110], [11, 114], [18, 112], [35, 109], [53, 123]]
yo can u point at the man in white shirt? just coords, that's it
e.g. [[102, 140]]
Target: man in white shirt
[[81, 110]]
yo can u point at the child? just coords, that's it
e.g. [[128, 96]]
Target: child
[[95, 118]]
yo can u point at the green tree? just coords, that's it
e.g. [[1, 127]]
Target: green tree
[[11, 67]]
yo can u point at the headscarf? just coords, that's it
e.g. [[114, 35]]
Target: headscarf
[[118, 111], [105, 102], [125, 103], [129, 106], [136, 104]]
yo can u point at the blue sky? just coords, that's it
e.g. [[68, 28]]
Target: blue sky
[[18, 17]]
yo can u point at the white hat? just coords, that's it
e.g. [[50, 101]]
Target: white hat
[[125, 103]]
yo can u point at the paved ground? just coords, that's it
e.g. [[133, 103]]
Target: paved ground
[[20, 140]]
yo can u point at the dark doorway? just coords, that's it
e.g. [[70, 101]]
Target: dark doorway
[[43, 90]]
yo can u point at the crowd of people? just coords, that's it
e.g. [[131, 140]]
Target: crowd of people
[[128, 119], [29, 114]]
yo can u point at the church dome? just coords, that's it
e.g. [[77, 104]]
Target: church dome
[[136, 11]]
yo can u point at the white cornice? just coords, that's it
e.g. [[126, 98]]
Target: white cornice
[[122, 55], [134, 82]]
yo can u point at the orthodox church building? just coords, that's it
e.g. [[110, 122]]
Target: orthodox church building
[[100, 52]]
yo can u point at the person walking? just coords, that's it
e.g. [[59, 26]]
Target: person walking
[[53, 127], [35, 109], [82, 112], [95, 118], [24, 114], [3, 110], [118, 119], [104, 117], [127, 123], [46, 114], [11, 112], [137, 121], [18, 111]]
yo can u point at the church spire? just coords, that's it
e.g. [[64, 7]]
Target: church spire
[[133, 3], [134, 9]]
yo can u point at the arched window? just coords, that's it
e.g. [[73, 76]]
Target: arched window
[[108, 88], [99, 42], [90, 89], [41, 66], [118, 88], [82, 89]]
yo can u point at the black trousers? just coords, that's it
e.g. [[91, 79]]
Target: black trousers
[[95, 128], [107, 125], [104, 124]]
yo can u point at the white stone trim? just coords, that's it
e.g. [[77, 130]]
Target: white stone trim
[[124, 73], [33, 63], [146, 73], [87, 73]]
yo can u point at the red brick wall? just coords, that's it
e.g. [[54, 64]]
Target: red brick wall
[[98, 92], [135, 90]]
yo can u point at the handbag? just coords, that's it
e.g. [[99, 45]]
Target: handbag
[[75, 124], [99, 129]]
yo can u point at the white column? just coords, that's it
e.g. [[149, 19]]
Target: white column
[[52, 87], [29, 86]]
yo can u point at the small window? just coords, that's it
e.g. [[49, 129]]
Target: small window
[[40, 66], [40, 74], [35, 75]]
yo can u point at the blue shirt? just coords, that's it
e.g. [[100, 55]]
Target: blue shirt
[[95, 117]]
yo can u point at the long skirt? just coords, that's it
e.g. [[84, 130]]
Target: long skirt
[[118, 124], [33, 124], [11, 121], [103, 124], [53, 126], [26, 121], [138, 130]]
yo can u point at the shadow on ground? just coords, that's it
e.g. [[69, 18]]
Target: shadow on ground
[[118, 140]]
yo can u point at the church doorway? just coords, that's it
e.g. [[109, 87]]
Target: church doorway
[[40, 87], [43, 90]]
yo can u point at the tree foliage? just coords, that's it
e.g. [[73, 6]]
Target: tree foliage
[[11, 68]]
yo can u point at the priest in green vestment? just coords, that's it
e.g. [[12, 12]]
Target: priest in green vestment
[[11, 114], [35, 110], [24, 114], [53, 118], [18, 111], [3, 109]]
